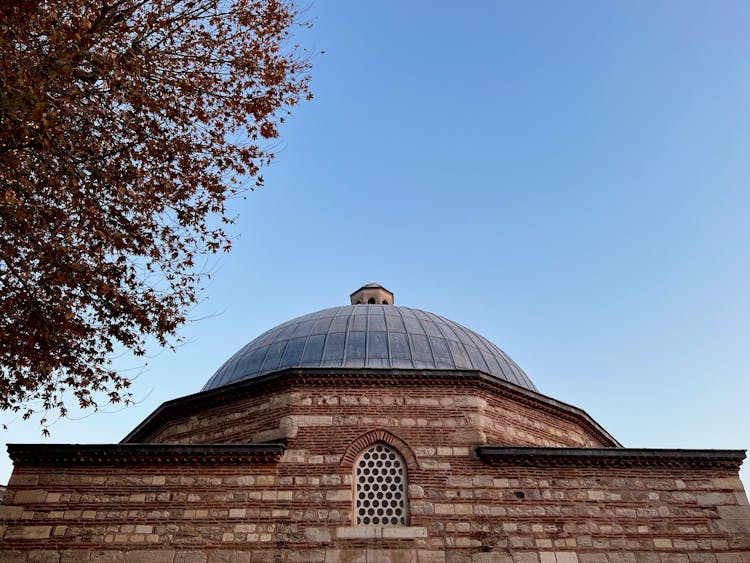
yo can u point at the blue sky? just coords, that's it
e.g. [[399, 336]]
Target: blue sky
[[568, 179]]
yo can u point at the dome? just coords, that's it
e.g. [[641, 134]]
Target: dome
[[369, 336]]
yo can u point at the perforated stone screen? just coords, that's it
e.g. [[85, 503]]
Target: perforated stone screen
[[380, 495]]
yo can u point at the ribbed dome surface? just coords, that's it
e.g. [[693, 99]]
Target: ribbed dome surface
[[369, 336]]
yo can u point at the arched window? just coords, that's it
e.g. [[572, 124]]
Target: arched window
[[380, 487], [371, 301]]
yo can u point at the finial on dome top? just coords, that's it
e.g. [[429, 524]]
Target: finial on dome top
[[372, 293]]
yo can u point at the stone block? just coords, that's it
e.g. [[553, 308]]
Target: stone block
[[736, 557], [740, 541], [28, 532], [422, 507], [415, 491], [430, 556], [358, 532], [268, 496], [302, 420], [733, 519], [732, 483], [265, 480], [491, 557], [339, 495], [273, 435], [409, 532], [44, 556], [483, 481], [441, 508], [593, 558], [29, 496], [294, 456], [391, 556], [468, 436], [150, 556], [715, 499], [10, 512], [190, 557], [318, 535], [458, 481], [75, 556], [346, 555], [231, 556]]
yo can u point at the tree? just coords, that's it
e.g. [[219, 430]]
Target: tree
[[124, 127]]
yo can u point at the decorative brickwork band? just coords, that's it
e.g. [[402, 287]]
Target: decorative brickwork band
[[368, 439], [611, 457], [40, 455]]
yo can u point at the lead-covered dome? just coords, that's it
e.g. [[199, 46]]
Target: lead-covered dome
[[369, 336]]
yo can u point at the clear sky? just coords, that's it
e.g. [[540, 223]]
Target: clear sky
[[569, 179]]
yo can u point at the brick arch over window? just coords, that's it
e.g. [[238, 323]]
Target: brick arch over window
[[369, 438]]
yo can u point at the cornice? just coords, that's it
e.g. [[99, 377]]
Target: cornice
[[611, 457], [46, 455]]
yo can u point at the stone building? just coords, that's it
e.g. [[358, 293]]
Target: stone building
[[368, 433]]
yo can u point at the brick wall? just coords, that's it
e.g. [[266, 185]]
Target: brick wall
[[452, 411], [463, 508]]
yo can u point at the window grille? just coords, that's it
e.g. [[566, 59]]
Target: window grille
[[380, 488]]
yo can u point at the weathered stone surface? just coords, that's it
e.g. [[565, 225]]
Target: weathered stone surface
[[27, 532], [150, 556], [44, 556]]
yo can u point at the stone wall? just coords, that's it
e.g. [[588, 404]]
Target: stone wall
[[300, 509], [155, 506], [445, 411]]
